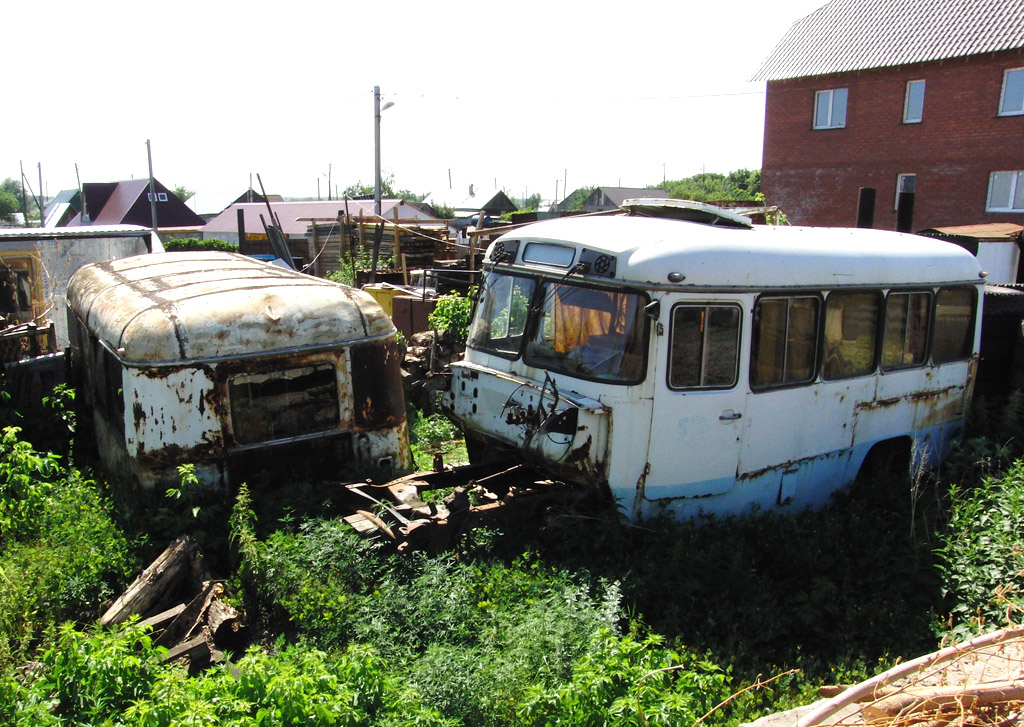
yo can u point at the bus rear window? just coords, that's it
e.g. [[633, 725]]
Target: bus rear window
[[283, 403], [589, 333]]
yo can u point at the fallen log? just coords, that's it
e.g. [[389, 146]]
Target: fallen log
[[154, 582], [915, 700]]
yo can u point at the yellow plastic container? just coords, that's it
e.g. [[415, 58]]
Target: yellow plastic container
[[384, 294]]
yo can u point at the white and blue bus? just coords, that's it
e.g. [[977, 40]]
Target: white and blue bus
[[688, 361]]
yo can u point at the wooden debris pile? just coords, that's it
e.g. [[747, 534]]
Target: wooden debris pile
[[979, 682], [424, 366], [496, 495], [186, 608]]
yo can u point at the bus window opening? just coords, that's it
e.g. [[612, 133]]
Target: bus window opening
[[704, 346], [285, 403], [590, 333], [500, 318]]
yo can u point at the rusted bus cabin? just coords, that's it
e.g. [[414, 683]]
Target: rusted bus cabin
[[244, 369]]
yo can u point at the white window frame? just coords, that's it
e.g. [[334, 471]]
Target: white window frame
[[831, 122], [1018, 110], [907, 118], [901, 180], [1016, 190]]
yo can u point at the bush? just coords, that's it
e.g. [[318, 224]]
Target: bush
[[192, 244], [982, 558], [61, 553], [452, 314]]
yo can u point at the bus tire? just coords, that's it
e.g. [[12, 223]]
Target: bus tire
[[888, 459]]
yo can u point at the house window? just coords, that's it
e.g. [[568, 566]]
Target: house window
[[1011, 100], [913, 104], [904, 183], [830, 109], [1005, 192]]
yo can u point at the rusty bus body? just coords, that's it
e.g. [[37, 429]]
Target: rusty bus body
[[688, 362], [245, 370]]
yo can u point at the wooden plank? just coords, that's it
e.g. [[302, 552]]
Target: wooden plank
[[194, 649], [156, 580], [164, 617]]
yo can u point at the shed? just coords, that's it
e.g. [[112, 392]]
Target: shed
[[996, 245]]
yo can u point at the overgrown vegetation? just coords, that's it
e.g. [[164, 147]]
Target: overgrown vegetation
[[452, 313], [435, 434], [351, 264], [739, 185], [192, 244], [573, 619]]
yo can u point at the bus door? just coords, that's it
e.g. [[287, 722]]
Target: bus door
[[697, 418]]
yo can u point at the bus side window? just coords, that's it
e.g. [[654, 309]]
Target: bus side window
[[704, 346], [905, 338], [954, 323], [851, 331], [785, 341]]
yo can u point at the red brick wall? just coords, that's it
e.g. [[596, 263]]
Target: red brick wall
[[814, 175]]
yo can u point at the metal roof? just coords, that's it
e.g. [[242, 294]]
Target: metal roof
[[295, 216], [851, 35], [170, 308], [73, 233], [762, 256]]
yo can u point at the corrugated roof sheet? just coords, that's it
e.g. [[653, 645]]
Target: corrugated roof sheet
[[295, 216], [851, 35]]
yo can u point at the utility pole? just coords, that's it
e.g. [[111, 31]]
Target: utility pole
[[152, 185], [42, 194], [376, 150]]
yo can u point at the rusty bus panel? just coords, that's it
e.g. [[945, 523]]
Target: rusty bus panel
[[244, 370]]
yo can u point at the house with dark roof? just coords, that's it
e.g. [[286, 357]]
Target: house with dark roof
[[121, 203], [922, 96], [601, 199]]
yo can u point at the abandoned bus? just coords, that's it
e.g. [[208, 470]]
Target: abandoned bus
[[245, 370], [688, 361]]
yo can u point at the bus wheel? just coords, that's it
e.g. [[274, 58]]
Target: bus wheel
[[889, 459]]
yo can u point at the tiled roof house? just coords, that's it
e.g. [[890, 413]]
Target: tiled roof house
[[925, 96]]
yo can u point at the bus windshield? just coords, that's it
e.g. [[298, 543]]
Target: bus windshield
[[590, 333]]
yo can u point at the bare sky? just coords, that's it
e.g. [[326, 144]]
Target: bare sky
[[531, 96]]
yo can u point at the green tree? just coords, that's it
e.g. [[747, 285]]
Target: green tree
[[387, 189], [182, 192], [531, 203], [574, 202], [738, 185], [10, 199], [9, 204]]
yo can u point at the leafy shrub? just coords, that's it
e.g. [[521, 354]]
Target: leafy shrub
[[452, 313], [117, 678], [61, 553], [435, 434], [625, 681], [982, 558], [192, 244]]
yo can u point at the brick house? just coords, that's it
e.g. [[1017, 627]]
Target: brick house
[[924, 96]]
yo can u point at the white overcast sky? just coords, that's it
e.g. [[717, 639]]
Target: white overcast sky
[[527, 95]]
